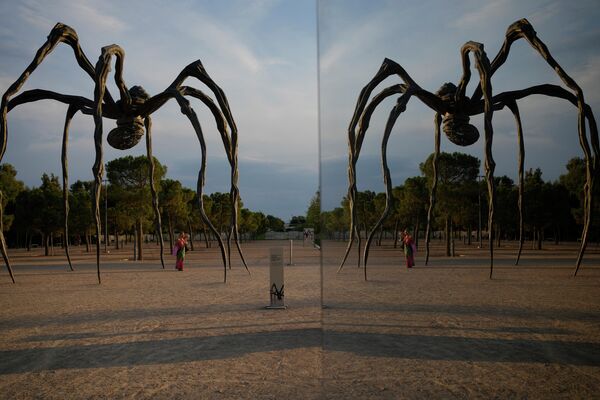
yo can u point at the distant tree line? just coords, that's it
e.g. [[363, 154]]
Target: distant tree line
[[34, 216], [551, 210]]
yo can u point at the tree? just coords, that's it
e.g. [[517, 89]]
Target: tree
[[10, 187], [130, 178], [535, 214], [313, 214], [275, 224], [220, 211], [24, 216], [413, 201], [335, 222], [457, 176], [297, 223], [506, 206], [173, 201], [81, 219], [44, 209]]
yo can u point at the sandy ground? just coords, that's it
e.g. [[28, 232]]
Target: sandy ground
[[441, 331]]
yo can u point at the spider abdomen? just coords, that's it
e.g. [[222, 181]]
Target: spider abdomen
[[458, 130], [127, 134]]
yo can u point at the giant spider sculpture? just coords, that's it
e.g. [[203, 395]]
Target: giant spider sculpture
[[133, 116], [453, 109]]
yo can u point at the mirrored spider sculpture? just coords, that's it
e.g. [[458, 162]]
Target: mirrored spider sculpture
[[453, 110]]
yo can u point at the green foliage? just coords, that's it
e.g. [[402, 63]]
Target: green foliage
[[313, 214], [297, 223], [81, 219], [10, 187], [129, 191], [275, 224], [412, 201], [457, 184], [50, 209], [9, 184]]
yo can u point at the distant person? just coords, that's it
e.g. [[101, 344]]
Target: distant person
[[409, 249], [179, 250]]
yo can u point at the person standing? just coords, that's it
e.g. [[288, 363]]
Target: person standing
[[409, 249], [179, 250]]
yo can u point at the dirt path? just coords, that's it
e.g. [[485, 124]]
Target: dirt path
[[442, 331]]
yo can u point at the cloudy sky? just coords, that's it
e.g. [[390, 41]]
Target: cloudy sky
[[264, 55], [425, 37]]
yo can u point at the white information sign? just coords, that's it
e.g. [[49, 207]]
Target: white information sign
[[276, 278]]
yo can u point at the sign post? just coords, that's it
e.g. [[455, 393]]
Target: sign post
[[291, 252], [276, 279]]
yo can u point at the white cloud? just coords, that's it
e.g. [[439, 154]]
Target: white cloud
[[41, 15], [484, 15], [588, 78]]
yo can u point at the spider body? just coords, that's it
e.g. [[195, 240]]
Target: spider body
[[455, 121], [130, 124], [453, 109], [132, 113]]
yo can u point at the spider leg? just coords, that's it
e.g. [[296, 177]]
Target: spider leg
[[388, 68], [387, 179], [432, 192], [186, 109], [148, 125], [72, 110], [359, 244], [197, 70], [482, 64], [102, 69], [515, 110], [523, 29], [60, 33], [592, 162], [221, 123], [355, 141], [84, 105]]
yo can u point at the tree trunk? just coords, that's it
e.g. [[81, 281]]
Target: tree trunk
[[469, 234], [140, 235], [170, 227], [447, 231], [45, 240], [380, 235], [396, 233], [540, 238], [191, 235], [416, 232], [205, 236], [117, 244], [452, 252], [51, 243], [498, 232], [135, 245], [28, 240]]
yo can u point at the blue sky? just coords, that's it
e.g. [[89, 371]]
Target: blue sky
[[425, 37], [262, 53]]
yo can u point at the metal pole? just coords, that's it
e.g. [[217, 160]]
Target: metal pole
[[291, 252]]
